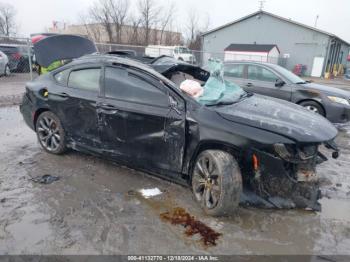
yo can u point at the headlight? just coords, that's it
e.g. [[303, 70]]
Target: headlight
[[295, 155], [282, 151], [338, 100]]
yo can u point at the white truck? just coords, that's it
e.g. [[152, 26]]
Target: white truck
[[181, 53]]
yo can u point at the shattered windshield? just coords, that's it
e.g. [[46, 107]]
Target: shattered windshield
[[218, 91]]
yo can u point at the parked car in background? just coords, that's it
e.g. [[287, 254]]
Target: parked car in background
[[4, 64], [18, 57], [347, 74], [136, 114], [181, 53], [276, 81]]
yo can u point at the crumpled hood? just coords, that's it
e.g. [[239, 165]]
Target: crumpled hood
[[280, 117], [328, 89]]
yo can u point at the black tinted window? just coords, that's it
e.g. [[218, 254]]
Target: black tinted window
[[123, 85], [88, 79], [234, 70], [62, 77], [261, 74]]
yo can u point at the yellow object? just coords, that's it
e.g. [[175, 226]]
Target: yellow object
[[327, 75], [51, 67], [46, 94]]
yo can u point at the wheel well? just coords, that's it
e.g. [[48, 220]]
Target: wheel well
[[315, 101], [37, 114], [210, 145]]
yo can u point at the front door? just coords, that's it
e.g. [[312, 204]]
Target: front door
[[262, 81], [142, 121]]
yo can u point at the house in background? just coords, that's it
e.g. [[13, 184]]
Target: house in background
[[318, 50], [252, 52]]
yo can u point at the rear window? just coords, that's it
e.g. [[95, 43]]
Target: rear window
[[9, 49], [87, 79], [62, 77], [234, 70]]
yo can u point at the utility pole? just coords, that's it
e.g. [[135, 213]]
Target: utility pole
[[261, 4], [316, 20]]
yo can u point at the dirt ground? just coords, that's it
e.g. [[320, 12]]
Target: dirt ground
[[93, 208]]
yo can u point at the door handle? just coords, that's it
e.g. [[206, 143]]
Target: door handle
[[249, 84], [108, 107], [64, 95]]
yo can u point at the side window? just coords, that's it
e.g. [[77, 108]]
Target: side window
[[87, 79], [62, 77], [234, 70], [261, 74], [123, 85]]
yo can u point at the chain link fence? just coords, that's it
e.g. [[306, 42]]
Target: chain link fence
[[199, 58], [17, 61], [17, 57]]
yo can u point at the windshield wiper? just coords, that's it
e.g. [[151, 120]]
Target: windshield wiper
[[301, 83], [246, 94], [222, 103]]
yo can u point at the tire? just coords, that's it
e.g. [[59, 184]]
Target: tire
[[314, 107], [7, 71], [216, 182], [50, 133]]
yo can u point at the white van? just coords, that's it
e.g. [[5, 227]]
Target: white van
[[181, 53]]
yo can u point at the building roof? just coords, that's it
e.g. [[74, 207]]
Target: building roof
[[275, 16], [250, 48]]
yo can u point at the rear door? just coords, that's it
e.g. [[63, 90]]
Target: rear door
[[74, 100], [142, 120], [235, 73], [262, 80]]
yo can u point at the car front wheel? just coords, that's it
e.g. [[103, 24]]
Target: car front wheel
[[217, 182], [50, 133], [7, 70], [314, 107]]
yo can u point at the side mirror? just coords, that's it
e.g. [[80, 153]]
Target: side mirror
[[279, 83]]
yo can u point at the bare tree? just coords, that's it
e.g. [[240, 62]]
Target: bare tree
[[195, 29], [134, 34], [192, 26], [100, 13], [92, 30], [7, 19], [149, 16], [167, 19], [118, 12]]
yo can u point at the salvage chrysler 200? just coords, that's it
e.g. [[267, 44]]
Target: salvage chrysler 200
[[227, 144]]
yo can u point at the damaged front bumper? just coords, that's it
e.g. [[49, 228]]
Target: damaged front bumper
[[285, 177]]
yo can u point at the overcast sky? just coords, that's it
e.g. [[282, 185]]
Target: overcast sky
[[334, 16]]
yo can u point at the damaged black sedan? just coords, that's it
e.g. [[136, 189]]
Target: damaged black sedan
[[226, 147]]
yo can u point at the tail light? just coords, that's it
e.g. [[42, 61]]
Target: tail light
[[16, 56]]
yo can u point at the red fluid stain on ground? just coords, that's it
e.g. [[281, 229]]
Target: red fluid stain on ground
[[179, 216]]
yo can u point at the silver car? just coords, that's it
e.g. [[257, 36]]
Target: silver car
[[4, 65]]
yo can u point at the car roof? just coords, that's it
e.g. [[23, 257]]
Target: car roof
[[249, 62], [109, 58]]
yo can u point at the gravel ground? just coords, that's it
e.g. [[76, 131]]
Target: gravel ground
[[93, 208]]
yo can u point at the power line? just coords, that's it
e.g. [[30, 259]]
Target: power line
[[261, 4]]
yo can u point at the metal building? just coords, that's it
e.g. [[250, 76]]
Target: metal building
[[320, 51]]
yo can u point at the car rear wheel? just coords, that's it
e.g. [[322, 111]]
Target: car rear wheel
[[313, 106], [7, 71], [217, 182], [50, 133]]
